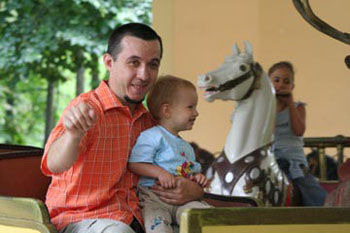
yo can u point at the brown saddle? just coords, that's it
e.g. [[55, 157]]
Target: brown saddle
[[249, 167]]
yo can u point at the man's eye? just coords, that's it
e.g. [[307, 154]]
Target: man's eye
[[134, 63], [154, 65]]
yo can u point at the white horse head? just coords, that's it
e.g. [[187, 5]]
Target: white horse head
[[246, 167], [220, 83]]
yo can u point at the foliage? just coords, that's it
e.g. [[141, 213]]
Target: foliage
[[47, 41]]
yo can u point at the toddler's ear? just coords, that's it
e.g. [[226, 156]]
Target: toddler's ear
[[165, 111]]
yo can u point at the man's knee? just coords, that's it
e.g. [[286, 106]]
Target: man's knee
[[98, 226]]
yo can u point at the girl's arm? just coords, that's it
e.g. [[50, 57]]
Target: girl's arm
[[297, 114], [166, 179], [298, 118]]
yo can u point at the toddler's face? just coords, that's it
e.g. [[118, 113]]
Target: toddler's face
[[283, 80], [184, 109]]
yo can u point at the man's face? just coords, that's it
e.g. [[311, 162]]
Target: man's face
[[134, 70]]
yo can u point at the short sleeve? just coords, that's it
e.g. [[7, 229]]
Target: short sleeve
[[146, 147]]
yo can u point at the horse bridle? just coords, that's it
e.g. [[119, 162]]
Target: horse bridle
[[255, 71]]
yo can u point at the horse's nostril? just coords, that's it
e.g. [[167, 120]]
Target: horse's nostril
[[207, 78]]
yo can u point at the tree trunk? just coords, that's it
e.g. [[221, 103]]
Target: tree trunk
[[80, 73], [80, 80], [9, 118], [10, 126], [95, 73], [95, 80], [49, 116]]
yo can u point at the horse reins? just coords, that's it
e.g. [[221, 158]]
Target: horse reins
[[255, 71]]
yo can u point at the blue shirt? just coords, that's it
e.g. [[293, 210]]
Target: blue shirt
[[284, 135], [159, 147], [288, 146]]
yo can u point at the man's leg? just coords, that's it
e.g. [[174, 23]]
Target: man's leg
[[98, 226]]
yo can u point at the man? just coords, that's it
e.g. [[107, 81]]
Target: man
[[87, 152]]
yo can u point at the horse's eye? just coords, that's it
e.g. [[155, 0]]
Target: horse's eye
[[243, 68]]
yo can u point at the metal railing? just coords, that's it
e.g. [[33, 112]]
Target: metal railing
[[339, 142]]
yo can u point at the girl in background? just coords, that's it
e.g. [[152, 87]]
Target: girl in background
[[290, 127]]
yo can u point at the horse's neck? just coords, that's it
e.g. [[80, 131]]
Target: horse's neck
[[252, 122]]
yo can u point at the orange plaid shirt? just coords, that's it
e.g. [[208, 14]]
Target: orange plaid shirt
[[98, 185]]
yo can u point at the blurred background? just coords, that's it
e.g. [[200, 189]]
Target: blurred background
[[50, 51]]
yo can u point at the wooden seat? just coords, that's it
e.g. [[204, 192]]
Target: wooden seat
[[25, 213], [266, 220], [20, 174], [22, 190]]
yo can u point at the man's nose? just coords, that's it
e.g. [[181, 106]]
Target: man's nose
[[143, 72]]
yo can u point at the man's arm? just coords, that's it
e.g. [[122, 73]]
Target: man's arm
[[64, 151], [181, 194]]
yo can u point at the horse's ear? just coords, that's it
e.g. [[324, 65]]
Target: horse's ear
[[235, 50], [248, 48]]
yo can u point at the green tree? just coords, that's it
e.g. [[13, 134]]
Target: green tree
[[47, 42]]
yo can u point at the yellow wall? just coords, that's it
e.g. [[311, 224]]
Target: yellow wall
[[198, 34]]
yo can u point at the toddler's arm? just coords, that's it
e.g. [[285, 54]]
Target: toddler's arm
[[166, 179]]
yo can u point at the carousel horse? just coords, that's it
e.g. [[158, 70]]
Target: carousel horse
[[246, 166]]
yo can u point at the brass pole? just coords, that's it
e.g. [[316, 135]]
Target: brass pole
[[322, 162]]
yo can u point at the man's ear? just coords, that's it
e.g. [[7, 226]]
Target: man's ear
[[165, 110], [108, 61]]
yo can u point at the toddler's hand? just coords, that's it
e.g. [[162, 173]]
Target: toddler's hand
[[200, 179], [166, 179]]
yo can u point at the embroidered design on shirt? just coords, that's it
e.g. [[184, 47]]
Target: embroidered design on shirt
[[159, 220], [185, 169]]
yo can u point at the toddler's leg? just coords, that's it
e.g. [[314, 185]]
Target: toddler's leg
[[191, 204], [156, 214], [157, 221]]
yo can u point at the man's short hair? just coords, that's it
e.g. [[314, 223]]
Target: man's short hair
[[138, 30]]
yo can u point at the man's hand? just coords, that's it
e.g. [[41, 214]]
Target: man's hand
[[185, 191], [79, 119]]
